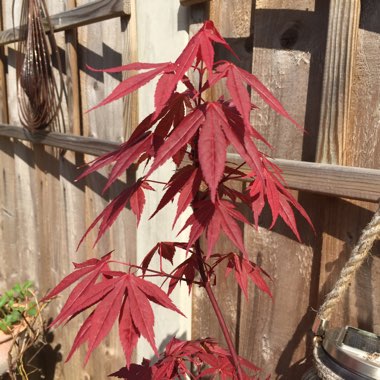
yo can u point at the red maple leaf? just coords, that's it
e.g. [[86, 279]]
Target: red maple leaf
[[212, 150], [199, 47], [165, 249], [115, 294], [244, 270], [185, 271], [133, 195], [205, 357], [182, 125]]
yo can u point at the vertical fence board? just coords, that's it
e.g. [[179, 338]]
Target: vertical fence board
[[288, 47], [109, 123], [7, 196], [204, 322], [44, 212], [360, 147], [288, 50]]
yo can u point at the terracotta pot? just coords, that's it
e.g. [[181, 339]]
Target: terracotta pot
[[5, 345]]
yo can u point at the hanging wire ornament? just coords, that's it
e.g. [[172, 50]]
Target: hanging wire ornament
[[39, 94]]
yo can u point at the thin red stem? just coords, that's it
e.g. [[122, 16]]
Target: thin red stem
[[201, 265], [218, 311]]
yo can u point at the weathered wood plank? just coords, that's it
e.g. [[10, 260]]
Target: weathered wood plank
[[333, 180], [80, 144], [89, 13], [106, 50], [8, 220], [227, 292], [358, 140], [337, 80], [192, 2], [72, 78], [326, 179], [288, 48]]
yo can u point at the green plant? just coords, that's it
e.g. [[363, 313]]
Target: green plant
[[16, 304]]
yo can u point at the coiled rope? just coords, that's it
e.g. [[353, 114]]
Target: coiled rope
[[358, 255]]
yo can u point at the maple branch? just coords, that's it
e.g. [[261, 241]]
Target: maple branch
[[218, 311], [170, 276], [155, 273]]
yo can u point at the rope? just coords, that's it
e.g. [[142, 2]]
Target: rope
[[361, 251]]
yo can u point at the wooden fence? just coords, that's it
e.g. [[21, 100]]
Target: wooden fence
[[320, 59], [43, 211]]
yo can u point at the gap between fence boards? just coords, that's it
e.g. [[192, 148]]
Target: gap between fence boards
[[333, 180]]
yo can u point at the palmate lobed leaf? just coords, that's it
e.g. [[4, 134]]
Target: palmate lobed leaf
[[178, 138], [112, 211], [199, 46], [204, 356], [115, 295], [204, 135], [280, 200], [212, 150], [244, 269], [184, 271], [166, 250], [133, 83]]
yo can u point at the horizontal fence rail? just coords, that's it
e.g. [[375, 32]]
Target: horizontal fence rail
[[192, 2], [333, 180], [83, 15]]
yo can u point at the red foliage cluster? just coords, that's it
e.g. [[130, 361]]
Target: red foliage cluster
[[183, 126], [195, 359]]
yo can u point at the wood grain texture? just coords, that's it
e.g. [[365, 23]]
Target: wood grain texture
[[288, 48], [43, 211], [89, 13], [334, 180], [337, 80], [204, 323], [345, 219], [72, 78], [105, 50], [192, 2]]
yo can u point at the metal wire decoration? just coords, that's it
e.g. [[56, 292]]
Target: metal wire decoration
[[39, 94]]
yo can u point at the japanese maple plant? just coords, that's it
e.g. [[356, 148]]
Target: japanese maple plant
[[194, 132]]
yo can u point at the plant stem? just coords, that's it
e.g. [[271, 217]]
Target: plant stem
[[218, 311], [201, 264]]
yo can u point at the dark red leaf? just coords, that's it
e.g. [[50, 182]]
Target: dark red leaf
[[127, 157], [105, 315], [178, 138], [81, 337], [142, 313], [174, 186], [131, 84], [135, 372], [91, 265], [155, 294], [82, 297], [137, 202], [266, 95], [239, 93], [188, 193], [203, 212], [212, 150], [229, 225], [128, 333], [165, 249], [186, 270], [111, 212]]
